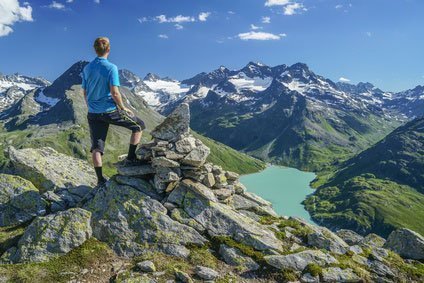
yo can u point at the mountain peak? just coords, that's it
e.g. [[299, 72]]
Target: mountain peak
[[151, 77]]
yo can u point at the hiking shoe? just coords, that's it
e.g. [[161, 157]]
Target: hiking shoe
[[101, 183]]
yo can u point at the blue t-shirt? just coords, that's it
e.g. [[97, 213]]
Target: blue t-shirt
[[97, 77]]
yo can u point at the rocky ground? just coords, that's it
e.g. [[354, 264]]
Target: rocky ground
[[174, 217]]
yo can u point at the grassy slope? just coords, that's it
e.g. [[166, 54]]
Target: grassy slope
[[378, 190]]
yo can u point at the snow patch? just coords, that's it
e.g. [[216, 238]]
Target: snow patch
[[50, 101]]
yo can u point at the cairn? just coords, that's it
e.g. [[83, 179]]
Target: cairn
[[175, 155]]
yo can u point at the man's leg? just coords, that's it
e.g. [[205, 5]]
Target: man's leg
[[98, 132], [134, 141]]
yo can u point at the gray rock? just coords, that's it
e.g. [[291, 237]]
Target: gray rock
[[132, 223], [182, 276], [146, 266], [356, 249], [239, 202], [223, 194], [140, 185], [239, 188], [308, 278], [220, 220], [53, 235], [380, 269], [181, 216], [298, 261], [209, 180], [256, 199], [177, 124], [349, 236], [325, 239], [20, 201], [372, 240], [195, 175], [173, 155], [336, 274], [235, 257], [185, 145], [164, 162], [406, 243], [197, 157], [232, 176], [135, 171], [49, 170], [360, 259], [206, 273]]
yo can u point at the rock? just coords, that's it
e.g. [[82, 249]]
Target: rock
[[231, 176], [53, 235], [359, 259], [173, 155], [197, 157], [223, 194], [257, 199], [20, 201], [235, 257], [239, 188], [182, 276], [298, 261], [146, 266], [185, 145], [209, 180], [325, 239], [219, 219], [135, 171], [336, 274], [380, 269], [206, 273], [49, 170], [195, 175], [140, 185], [220, 180], [406, 243], [177, 124], [133, 223], [241, 203], [181, 216], [164, 162], [308, 278], [373, 241], [349, 236], [356, 249]]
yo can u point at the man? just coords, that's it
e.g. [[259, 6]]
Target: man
[[100, 81]]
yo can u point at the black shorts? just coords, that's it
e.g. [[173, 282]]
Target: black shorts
[[99, 126]]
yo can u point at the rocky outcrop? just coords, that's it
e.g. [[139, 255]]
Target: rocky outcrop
[[177, 208], [20, 201], [49, 170], [51, 236], [406, 243], [131, 222]]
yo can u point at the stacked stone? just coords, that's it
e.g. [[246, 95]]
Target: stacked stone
[[174, 155]]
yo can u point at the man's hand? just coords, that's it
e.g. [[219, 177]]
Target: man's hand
[[129, 111]]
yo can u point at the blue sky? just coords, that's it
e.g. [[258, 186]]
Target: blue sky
[[380, 41]]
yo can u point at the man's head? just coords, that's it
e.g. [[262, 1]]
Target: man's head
[[102, 46]]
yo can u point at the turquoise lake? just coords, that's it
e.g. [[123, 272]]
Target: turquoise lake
[[285, 187]]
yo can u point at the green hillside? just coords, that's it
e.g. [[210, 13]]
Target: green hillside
[[378, 190]]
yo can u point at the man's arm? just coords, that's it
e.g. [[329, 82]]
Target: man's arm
[[117, 97], [85, 96]]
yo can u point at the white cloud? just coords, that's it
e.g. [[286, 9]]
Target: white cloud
[[344, 80], [253, 27], [56, 5], [293, 8], [143, 20], [231, 12], [369, 34], [270, 3], [10, 13], [163, 36], [255, 35], [339, 6], [203, 17], [266, 20], [178, 19], [97, 1], [178, 26], [69, 1]]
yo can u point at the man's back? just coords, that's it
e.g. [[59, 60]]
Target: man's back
[[98, 76]]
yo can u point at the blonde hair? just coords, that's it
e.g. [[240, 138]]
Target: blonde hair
[[102, 45]]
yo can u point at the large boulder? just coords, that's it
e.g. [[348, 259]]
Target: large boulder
[[349, 236], [298, 261], [325, 239], [235, 257], [199, 202], [20, 201], [406, 243], [336, 274], [49, 170], [175, 126], [51, 236], [131, 222]]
